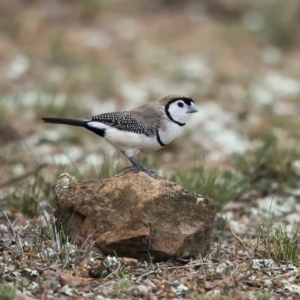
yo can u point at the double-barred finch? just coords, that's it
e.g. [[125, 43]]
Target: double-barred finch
[[146, 128]]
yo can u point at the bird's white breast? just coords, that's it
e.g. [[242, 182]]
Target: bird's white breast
[[129, 142], [170, 132]]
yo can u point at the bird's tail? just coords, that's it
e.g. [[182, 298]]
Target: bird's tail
[[71, 122]]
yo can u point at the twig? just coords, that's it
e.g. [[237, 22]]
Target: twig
[[239, 240], [86, 252], [114, 272], [146, 274], [18, 243], [189, 266]]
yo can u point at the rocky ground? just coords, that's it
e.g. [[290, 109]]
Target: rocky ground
[[237, 60]]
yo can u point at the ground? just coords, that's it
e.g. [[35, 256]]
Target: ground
[[238, 60]]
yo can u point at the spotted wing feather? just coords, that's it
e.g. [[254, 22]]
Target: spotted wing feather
[[124, 121]]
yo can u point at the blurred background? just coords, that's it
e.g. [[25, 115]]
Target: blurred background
[[239, 61]]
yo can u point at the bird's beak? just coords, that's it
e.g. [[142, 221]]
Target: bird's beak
[[192, 108]]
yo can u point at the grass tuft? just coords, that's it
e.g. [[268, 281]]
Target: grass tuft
[[22, 200], [222, 186], [26, 198], [106, 168], [269, 166], [279, 244]]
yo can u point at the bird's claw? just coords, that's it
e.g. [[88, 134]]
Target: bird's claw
[[136, 169]]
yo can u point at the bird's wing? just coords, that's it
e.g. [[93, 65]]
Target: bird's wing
[[127, 121]]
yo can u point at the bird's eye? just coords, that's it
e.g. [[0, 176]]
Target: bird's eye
[[180, 104]]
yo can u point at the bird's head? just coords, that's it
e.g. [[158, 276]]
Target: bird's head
[[179, 108]]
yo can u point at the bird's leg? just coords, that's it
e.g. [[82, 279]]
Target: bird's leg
[[140, 167]]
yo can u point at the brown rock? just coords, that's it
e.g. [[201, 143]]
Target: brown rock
[[134, 215]]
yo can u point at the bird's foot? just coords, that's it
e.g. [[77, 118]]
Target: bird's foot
[[149, 172], [138, 167]]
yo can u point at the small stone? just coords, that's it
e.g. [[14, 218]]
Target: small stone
[[130, 261], [140, 291], [67, 279]]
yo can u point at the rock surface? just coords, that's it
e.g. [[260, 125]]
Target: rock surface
[[134, 215]]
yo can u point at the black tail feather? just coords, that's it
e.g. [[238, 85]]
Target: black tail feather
[[71, 122]]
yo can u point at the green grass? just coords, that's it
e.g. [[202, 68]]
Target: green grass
[[108, 168], [39, 186], [264, 169], [7, 291], [279, 243], [269, 166], [222, 186], [25, 198]]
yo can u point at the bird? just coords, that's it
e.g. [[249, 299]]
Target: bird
[[146, 128]]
